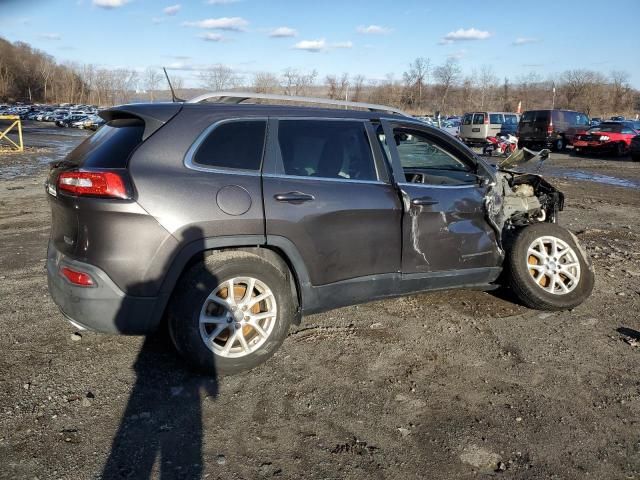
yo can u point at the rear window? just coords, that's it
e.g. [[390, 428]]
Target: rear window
[[111, 146], [495, 119], [236, 145], [535, 116], [511, 119], [466, 120], [478, 118], [326, 149]]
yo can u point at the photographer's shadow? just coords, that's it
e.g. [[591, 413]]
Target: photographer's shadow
[[160, 434]]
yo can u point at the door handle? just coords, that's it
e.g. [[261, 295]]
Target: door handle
[[423, 201], [293, 197]]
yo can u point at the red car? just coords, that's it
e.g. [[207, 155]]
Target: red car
[[606, 137]]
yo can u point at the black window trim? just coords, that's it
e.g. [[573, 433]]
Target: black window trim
[[279, 168], [193, 149]]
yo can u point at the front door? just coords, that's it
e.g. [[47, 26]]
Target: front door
[[326, 192], [444, 224]]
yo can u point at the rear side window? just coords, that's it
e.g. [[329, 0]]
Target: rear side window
[[478, 118], [111, 146], [495, 119], [511, 119], [236, 145], [326, 149]]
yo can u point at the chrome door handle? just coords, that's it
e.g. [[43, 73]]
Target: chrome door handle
[[293, 197], [423, 201]]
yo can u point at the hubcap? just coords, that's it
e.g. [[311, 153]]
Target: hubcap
[[238, 317], [553, 265]]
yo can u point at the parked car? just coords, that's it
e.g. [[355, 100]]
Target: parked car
[[635, 148], [477, 126], [617, 118], [200, 214], [607, 137], [69, 120], [595, 121], [452, 127], [550, 128], [93, 122]]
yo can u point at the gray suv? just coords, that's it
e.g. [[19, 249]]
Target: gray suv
[[228, 221]]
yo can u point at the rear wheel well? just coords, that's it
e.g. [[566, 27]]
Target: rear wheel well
[[273, 255]]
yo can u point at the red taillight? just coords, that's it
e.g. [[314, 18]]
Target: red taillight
[[486, 119], [95, 184], [77, 278], [550, 128]]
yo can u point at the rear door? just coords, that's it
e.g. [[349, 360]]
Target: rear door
[[444, 227], [533, 125], [328, 193], [495, 123]]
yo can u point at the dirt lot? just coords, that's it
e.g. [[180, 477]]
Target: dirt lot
[[447, 385]]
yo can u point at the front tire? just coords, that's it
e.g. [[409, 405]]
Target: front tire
[[231, 312], [547, 268]]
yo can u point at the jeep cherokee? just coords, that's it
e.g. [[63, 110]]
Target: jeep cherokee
[[228, 221]]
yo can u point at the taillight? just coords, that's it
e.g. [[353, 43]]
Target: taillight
[[550, 128], [486, 119], [77, 278], [94, 184]]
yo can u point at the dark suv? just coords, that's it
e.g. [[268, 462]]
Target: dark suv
[[229, 221], [550, 128]]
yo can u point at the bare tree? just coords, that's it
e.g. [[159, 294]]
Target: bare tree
[[265, 82], [358, 87], [337, 87], [296, 83], [620, 89], [151, 78], [219, 77], [486, 81], [416, 80], [447, 76]]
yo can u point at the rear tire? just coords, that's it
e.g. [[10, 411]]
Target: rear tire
[[559, 145], [204, 317], [635, 157], [545, 277]]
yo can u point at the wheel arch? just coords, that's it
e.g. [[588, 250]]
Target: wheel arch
[[281, 252]]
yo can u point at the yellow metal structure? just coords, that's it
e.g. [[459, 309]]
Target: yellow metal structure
[[4, 133]]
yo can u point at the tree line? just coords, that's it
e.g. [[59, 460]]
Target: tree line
[[27, 74]]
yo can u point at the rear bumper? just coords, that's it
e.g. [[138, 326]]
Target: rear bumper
[[101, 308]]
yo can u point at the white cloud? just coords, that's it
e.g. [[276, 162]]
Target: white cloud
[[373, 30], [282, 32], [311, 45], [348, 44], [459, 55], [525, 40], [173, 9], [212, 37], [462, 35], [110, 3], [223, 23], [50, 36], [157, 20], [221, 2]]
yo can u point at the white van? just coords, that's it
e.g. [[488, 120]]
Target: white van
[[477, 126]]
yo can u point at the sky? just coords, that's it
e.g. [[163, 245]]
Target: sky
[[369, 37]]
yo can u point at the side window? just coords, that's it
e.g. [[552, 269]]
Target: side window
[[326, 149], [511, 119], [478, 118], [495, 119], [236, 145], [424, 161], [582, 119], [627, 130]]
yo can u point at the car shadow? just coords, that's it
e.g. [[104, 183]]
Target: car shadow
[[160, 434]]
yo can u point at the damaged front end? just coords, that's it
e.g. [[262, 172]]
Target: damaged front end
[[515, 200]]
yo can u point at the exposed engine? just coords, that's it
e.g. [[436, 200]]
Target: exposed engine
[[520, 199]]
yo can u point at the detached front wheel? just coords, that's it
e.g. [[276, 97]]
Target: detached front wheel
[[548, 269]]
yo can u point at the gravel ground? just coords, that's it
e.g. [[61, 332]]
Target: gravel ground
[[457, 384]]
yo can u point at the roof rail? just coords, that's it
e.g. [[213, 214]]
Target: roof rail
[[239, 97]]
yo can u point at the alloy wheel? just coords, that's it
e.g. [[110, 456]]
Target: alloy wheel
[[238, 317], [553, 265]]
